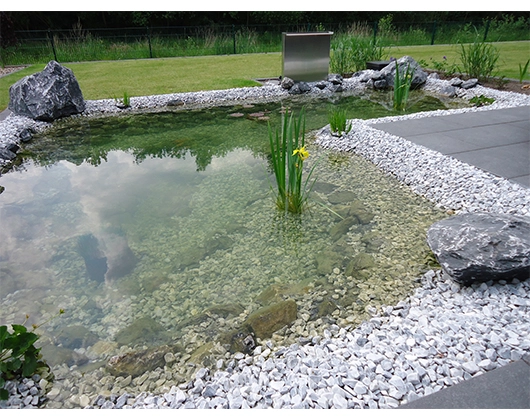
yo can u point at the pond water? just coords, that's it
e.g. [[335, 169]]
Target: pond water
[[161, 229]]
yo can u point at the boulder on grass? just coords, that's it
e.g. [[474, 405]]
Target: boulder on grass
[[50, 94], [478, 247]]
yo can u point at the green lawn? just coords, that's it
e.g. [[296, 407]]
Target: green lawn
[[511, 55], [110, 79]]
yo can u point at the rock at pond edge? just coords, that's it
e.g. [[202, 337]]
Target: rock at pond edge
[[479, 247]]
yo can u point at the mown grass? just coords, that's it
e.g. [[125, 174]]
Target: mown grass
[[109, 79], [511, 53]]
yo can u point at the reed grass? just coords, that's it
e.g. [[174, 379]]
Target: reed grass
[[479, 59], [402, 84], [338, 123], [288, 154]]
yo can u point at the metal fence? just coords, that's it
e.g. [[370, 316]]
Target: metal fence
[[79, 44]]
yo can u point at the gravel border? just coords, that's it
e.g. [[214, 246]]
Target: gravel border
[[442, 335]]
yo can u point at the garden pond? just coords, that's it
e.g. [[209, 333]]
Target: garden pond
[[160, 229]]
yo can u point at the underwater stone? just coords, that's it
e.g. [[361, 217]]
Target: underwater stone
[[341, 197], [266, 321], [121, 259], [361, 261], [143, 330], [137, 363], [479, 247], [54, 356], [327, 261], [95, 260], [76, 336], [342, 228], [50, 94]]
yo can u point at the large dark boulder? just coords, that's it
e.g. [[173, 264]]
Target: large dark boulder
[[479, 247], [389, 72], [50, 94]]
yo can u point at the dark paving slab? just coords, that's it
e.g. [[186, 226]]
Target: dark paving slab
[[496, 141], [507, 387]]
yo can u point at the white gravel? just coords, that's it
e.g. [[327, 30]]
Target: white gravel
[[442, 335]]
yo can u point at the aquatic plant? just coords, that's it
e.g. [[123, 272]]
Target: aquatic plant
[[481, 100], [523, 70], [18, 355], [402, 84], [125, 102], [288, 154], [338, 123]]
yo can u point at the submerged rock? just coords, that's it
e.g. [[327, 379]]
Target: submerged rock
[[95, 261], [270, 319], [342, 228], [143, 330], [474, 248], [361, 261], [136, 363], [327, 260], [76, 336], [341, 197], [121, 259], [55, 356]]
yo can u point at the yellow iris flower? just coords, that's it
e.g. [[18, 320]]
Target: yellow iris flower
[[302, 153]]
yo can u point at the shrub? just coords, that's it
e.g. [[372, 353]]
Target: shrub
[[479, 60]]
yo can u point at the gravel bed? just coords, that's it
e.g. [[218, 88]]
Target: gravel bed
[[443, 334]]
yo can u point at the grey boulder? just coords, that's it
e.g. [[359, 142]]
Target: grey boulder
[[478, 247], [50, 94], [389, 72]]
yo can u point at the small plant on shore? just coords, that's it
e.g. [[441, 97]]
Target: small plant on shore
[[125, 102], [18, 355], [338, 122], [288, 154], [481, 100], [402, 84], [523, 70], [479, 60]]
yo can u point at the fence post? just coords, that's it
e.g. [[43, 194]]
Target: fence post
[[375, 30], [486, 30], [234, 37], [149, 42], [53, 45], [433, 32]]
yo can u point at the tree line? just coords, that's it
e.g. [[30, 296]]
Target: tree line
[[23, 21]]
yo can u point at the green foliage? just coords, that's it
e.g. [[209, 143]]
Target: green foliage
[[479, 59], [18, 355], [402, 84], [338, 122], [126, 100], [287, 155], [350, 53], [443, 66], [481, 100], [523, 70]]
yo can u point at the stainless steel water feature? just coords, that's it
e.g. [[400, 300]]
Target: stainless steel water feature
[[306, 56]]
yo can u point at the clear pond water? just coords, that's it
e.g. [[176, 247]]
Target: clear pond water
[[161, 228]]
